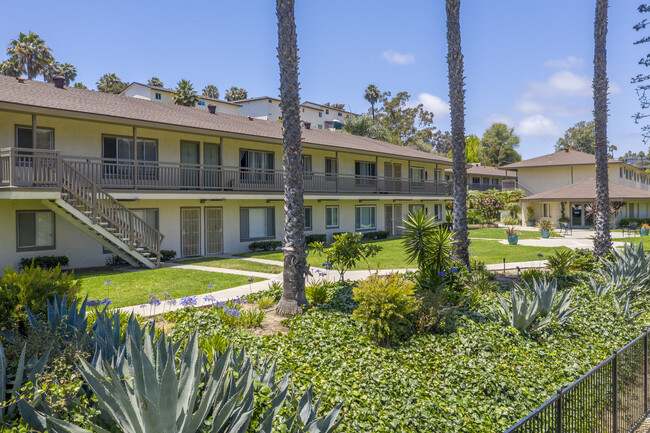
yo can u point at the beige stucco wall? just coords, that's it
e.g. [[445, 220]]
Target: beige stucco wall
[[540, 179]]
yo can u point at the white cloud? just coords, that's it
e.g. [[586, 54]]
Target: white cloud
[[398, 58], [498, 118], [566, 63], [433, 103], [538, 126], [564, 83]]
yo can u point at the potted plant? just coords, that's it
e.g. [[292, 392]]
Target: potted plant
[[546, 227], [513, 235], [530, 216], [645, 229]]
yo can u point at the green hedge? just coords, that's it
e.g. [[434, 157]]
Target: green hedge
[[167, 255], [625, 221], [44, 262], [373, 236], [315, 238], [264, 245]]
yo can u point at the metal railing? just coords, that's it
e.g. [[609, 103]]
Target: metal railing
[[483, 187], [122, 174], [612, 397], [509, 184]]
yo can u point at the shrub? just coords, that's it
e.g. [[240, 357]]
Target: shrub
[[167, 255], [264, 245], [346, 251], [315, 238], [317, 293], [561, 262], [473, 217], [44, 262], [373, 236], [584, 260], [386, 305], [625, 221], [115, 260], [31, 288], [265, 302], [511, 221]]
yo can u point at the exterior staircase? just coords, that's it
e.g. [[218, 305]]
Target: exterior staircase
[[514, 184]]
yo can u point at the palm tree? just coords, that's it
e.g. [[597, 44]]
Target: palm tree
[[80, 85], [185, 94], [236, 93], [65, 70], [9, 68], [372, 95], [210, 91], [155, 82], [111, 83], [295, 259], [30, 54], [603, 238], [457, 109]]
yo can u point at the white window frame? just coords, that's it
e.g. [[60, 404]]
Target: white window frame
[[270, 213], [329, 219], [310, 211], [358, 225], [37, 246]]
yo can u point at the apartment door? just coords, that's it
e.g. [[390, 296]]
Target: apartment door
[[397, 174], [388, 219], [213, 230], [577, 215], [190, 231], [211, 161], [397, 219], [189, 163]]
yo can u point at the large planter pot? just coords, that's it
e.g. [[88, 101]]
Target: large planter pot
[[546, 234], [512, 240], [644, 232]]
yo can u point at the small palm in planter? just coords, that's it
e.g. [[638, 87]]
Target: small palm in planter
[[546, 227], [645, 230], [513, 235]]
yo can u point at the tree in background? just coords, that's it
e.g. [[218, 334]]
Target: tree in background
[[155, 82], [441, 142], [30, 54], [210, 91], [580, 137], [498, 146], [236, 93], [10, 68], [366, 127], [80, 85], [65, 70], [184, 94], [640, 79], [295, 258], [335, 106], [457, 113], [472, 149], [408, 126], [111, 83], [372, 95], [603, 238]]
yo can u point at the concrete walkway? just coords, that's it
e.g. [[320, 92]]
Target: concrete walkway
[[224, 270]]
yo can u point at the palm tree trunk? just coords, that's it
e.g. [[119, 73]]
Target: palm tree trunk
[[372, 107], [603, 239], [295, 259], [457, 109]]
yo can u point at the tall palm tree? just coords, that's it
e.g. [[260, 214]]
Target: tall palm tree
[[9, 68], [603, 238], [30, 53], [111, 83], [155, 82], [457, 110], [65, 70], [211, 91], [236, 93], [185, 94], [295, 259], [372, 95]]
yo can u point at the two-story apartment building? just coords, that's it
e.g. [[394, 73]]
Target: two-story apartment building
[[483, 177], [85, 173], [566, 180], [160, 94], [315, 116]]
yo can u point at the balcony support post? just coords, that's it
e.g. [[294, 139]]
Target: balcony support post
[[336, 159], [134, 156], [377, 173], [34, 130]]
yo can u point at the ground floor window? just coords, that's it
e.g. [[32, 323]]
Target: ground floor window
[[257, 223], [365, 218], [414, 208], [546, 210], [308, 219], [437, 212], [35, 230], [331, 216]]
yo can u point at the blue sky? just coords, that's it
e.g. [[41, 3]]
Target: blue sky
[[528, 63]]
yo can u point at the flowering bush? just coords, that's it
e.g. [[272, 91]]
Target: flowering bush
[[490, 203]]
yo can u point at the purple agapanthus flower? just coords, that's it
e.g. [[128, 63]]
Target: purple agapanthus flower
[[108, 282], [251, 279], [453, 270], [442, 273], [219, 304], [188, 301], [209, 298], [210, 285], [232, 312]]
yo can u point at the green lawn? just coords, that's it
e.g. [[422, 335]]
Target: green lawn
[[498, 233], [634, 239], [242, 265], [133, 287], [392, 256]]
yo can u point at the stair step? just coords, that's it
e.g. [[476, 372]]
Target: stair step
[[103, 223], [145, 254]]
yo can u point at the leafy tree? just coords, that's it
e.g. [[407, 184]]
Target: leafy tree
[[640, 79], [580, 137], [456, 77], [498, 145], [472, 149], [155, 81], [30, 54], [80, 85], [603, 238], [364, 126], [10, 68], [210, 91], [372, 95], [441, 142], [335, 106], [296, 269], [111, 83], [346, 251], [236, 93], [408, 126], [184, 94]]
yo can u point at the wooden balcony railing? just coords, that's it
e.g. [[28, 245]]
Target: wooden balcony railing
[[22, 168]]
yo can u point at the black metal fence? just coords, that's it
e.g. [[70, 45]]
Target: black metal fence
[[612, 397]]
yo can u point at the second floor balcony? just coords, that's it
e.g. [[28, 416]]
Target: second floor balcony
[[38, 168]]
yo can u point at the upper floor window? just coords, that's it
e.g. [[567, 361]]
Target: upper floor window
[[320, 114], [339, 114], [330, 167], [365, 172], [327, 111], [158, 96], [256, 159], [417, 174], [115, 147], [44, 138], [306, 165]]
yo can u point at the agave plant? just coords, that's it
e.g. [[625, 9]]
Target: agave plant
[[521, 310], [110, 341], [71, 320], [630, 266]]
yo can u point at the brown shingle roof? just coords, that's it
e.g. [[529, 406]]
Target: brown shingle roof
[[484, 170], [123, 109], [562, 157], [586, 190]]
